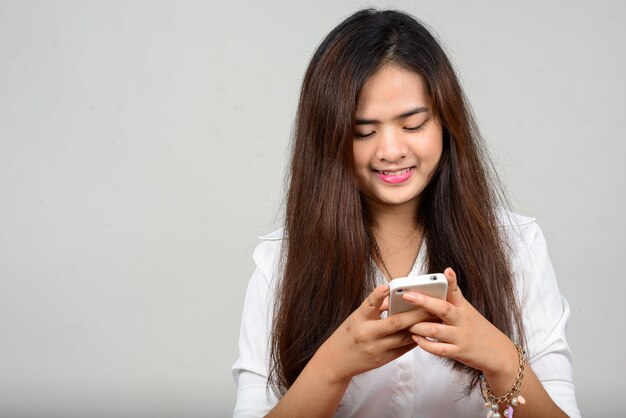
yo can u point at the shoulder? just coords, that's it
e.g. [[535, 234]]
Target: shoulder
[[267, 253], [508, 219], [518, 229], [529, 260]]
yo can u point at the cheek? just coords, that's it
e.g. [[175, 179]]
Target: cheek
[[361, 166], [429, 155], [437, 151], [434, 147], [360, 157]]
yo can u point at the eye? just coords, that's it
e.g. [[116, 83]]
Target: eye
[[359, 135], [415, 128]]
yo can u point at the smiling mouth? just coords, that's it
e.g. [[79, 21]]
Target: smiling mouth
[[395, 177], [395, 173]]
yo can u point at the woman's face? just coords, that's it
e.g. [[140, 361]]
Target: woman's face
[[397, 140]]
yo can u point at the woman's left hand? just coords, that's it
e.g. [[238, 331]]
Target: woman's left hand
[[464, 334]]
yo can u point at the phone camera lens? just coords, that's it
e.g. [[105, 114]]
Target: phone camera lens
[[433, 277], [399, 290]]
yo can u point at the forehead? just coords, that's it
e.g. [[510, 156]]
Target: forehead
[[391, 91]]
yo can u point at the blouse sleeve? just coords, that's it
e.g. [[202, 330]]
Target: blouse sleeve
[[545, 314], [250, 370]]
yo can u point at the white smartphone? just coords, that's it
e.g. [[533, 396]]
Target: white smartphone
[[434, 285]]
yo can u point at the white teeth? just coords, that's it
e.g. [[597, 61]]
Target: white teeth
[[395, 173]]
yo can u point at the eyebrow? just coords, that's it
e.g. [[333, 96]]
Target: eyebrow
[[402, 116]]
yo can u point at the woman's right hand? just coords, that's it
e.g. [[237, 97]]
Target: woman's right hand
[[364, 341]]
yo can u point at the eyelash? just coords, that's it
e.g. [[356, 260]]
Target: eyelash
[[417, 128], [414, 129]]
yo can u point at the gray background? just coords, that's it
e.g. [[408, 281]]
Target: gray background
[[142, 149]]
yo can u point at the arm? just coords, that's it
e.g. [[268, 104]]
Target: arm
[[315, 393], [250, 370]]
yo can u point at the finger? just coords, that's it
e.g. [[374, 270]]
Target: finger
[[370, 307], [385, 304], [402, 321], [441, 349], [399, 339], [440, 332], [454, 295], [440, 308], [400, 351], [394, 353]]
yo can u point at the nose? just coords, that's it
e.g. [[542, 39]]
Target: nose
[[391, 146]]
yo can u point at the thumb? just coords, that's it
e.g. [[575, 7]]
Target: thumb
[[370, 308], [385, 305], [454, 295]]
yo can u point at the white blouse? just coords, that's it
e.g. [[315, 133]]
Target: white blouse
[[418, 384]]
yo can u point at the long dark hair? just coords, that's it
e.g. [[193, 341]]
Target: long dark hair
[[327, 267]]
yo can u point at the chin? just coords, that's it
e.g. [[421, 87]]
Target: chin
[[397, 200]]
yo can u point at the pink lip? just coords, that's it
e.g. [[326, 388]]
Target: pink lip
[[397, 179]]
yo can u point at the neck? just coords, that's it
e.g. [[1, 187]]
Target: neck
[[396, 221], [398, 237]]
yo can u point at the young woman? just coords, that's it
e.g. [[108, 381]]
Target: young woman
[[388, 180]]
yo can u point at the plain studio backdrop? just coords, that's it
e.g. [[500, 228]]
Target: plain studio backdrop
[[143, 149]]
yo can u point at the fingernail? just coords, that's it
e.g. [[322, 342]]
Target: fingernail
[[411, 297]]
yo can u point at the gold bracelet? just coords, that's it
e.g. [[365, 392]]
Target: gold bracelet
[[511, 398]]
